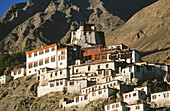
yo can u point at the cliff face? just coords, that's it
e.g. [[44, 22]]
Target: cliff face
[[35, 23], [148, 31]]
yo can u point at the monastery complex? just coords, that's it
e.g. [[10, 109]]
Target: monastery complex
[[88, 68]]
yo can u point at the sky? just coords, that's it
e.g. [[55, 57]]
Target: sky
[[5, 4]]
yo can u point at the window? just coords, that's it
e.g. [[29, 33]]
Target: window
[[154, 97], [117, 105], [85, 97], [72, 83], [47, 50], [35, 63], [38, 78], [86, 90], [137, 107], [113, 106], [47, 60], [100, 72], [100, 92], [104, 56], [107, 73], [134, 94], [29, 55], [108, 107], [35, 54], [98, 66], [97, 57], [57, 84], [62, 57], [52, 58], [63, 52], [61, 83], [61, 63], [51, 84], [53, 48], [89, 67], [19, 72], [55, 73], [40, 52], [41, 62], [74, 33], [129, 95], [107, 65], [15, 73], [77, 99], [93, 94], [126, 96], [29, 71], [30, 65], [51, 75], [59, 57], [43, 70], [166, 95], [60, 72]]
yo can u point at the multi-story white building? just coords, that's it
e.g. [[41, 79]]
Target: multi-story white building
[[139, 107], [139, 72], [89, 89], [161, 98], [121, 52], [57, 56], [134, 96], [18, 73], [143, 72], [82, 100], [4, 79], [61, 85], [94, 66], [40, 58], [87, 36], [148, 89], [119, 106]]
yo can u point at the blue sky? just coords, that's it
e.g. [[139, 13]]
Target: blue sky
[[5, 4]]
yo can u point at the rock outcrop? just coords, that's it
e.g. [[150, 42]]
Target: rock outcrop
[[26, 26]]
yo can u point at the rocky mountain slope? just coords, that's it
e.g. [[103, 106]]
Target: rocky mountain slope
[[148, 31], [35, 23], [21, 95]]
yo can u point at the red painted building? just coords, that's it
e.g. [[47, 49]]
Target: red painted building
[[94, 53]]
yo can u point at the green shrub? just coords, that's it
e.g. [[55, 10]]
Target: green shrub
[[11, 60]]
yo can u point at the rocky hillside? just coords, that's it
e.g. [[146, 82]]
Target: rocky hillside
[[21, 95], [148, 31], [40, 22]]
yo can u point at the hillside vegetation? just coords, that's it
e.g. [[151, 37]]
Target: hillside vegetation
[[10, 61]]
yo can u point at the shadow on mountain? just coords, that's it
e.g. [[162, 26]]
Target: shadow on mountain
[[125, 9], [153, 51]]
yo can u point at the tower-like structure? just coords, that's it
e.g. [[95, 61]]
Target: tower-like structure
[[87, 36]]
